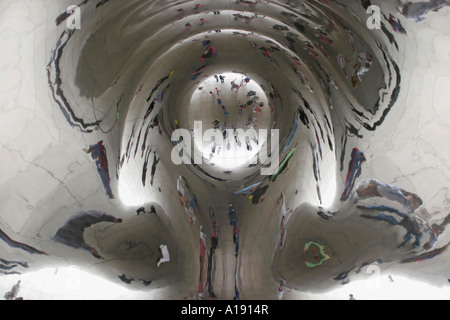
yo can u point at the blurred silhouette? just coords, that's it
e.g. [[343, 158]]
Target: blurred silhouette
[[72, 232]]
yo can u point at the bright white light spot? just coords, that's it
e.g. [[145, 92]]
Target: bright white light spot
[[67, 283], [382, 288], [219, 101]]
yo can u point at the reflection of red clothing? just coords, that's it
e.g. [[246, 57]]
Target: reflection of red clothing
[[209, 53], [98, 153], [103, 162], [202, 247]]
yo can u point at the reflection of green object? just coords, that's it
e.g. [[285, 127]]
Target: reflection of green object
[[323, 255], [183, 181], [117, 106], [284, 164]]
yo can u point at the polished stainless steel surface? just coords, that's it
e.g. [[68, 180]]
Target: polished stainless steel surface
[[215, 149]]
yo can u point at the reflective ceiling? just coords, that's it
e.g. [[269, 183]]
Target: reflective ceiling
[[225, 149]]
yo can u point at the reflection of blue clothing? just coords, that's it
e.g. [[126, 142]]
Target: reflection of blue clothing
[[396, 26], [195, 76], [95, 151], [247, 189], [232, 216], [158, 96], [105, 180], [407, 222], [388, 209], [387, 218], [293, 133], [193, 205], [99, 155], [394, 193], [354, 171]]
